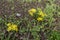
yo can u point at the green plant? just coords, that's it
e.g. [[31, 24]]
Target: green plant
[[54, 35]]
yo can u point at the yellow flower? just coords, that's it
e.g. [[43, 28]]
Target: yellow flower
[[32, 11], [12, 27], [40, 19], [42, 14], [9, 28]]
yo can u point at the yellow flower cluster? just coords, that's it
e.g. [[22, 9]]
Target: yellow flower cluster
[[40, 13], [32, 11], [39, 19], [12, 27]]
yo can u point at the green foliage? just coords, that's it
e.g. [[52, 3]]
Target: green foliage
[[54, 35]]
